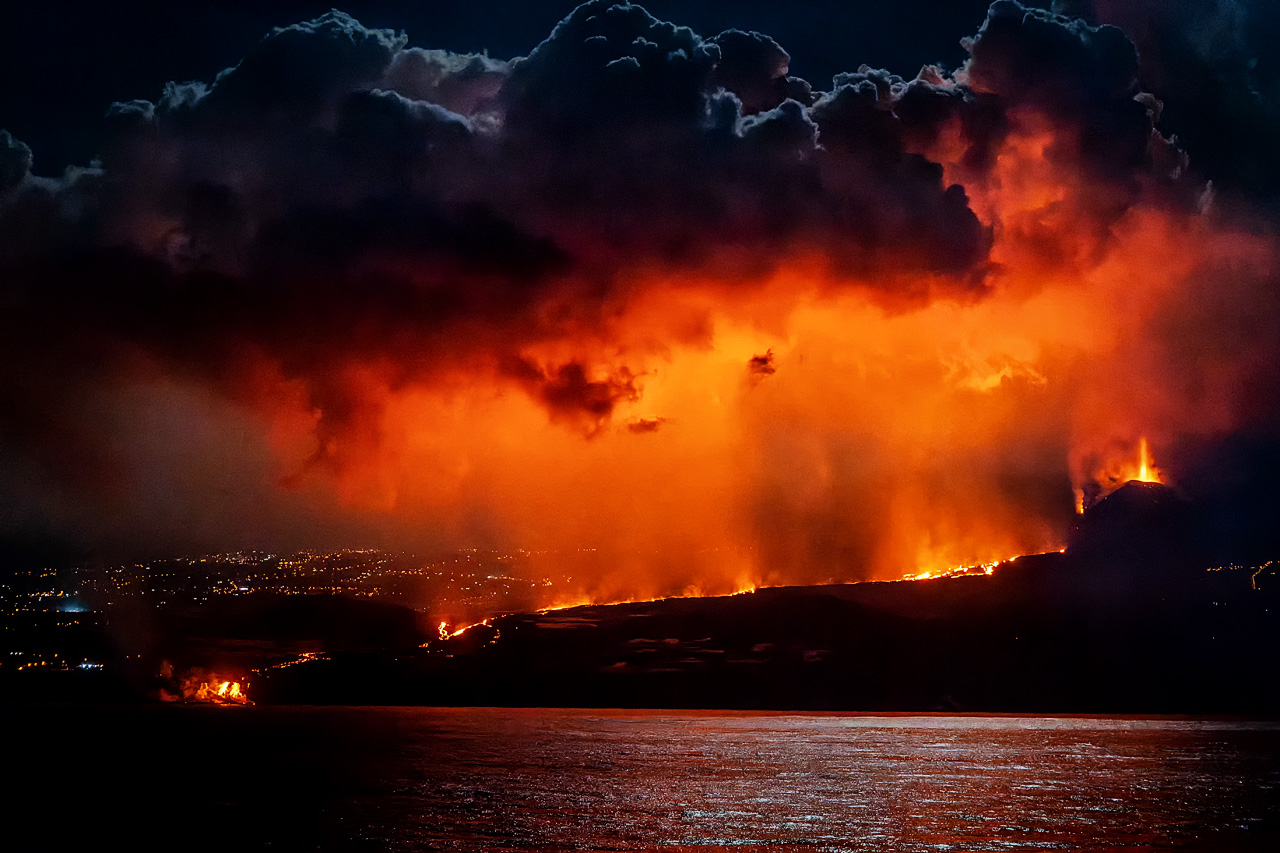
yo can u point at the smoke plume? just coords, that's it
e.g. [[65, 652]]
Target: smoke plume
[[642, 291]]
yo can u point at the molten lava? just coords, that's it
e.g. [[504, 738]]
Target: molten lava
[[221, 692], [1117, 470], [209, 688], [1146, 473], [741, 587], [956, 571], [199, 685]]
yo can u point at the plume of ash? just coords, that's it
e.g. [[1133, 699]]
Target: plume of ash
[[402, 294]]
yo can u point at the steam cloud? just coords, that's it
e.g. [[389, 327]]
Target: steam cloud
[[389, 292]]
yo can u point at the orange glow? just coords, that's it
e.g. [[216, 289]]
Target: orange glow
[[582, 599], [458, 632], [905, 426], [572, 601], [444, 633], [591, 601], [220, 693], [1146, 473], [958, 571], [1116, 470], [201, 685]]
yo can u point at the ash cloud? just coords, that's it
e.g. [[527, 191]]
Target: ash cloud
[[1084, 77], [15, 161], [362, 216], [760, 366], [573, 396], [1213, 66], [646, 425]]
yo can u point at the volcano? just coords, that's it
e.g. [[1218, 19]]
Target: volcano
[[1138, 517], [1142, 535]]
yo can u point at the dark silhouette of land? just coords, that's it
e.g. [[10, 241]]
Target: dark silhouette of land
[[1134, 617], [1148, 610]]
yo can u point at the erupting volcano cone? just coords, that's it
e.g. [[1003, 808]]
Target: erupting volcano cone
[[1140, 527]]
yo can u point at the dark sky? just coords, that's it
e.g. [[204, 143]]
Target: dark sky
[[63, 63], [1213, 62]]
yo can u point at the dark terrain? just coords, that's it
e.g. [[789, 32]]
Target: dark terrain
[[1134, 617], [1145, 612]]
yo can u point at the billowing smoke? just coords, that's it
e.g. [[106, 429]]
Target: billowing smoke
[[641, 291]]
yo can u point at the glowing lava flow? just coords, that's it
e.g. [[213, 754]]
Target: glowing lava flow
[[956, 571], [305, 657], [742, 588], [221, 693], [444, 632], [973, 570]]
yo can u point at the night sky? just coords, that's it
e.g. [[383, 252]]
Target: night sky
[[65, 63], [776, 292]]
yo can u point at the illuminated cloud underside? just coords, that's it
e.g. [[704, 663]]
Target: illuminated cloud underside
[[640, 291]]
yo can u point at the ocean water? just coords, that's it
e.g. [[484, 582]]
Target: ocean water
[[404, 779]]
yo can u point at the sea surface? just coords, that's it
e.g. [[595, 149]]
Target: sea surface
[[403, 779]]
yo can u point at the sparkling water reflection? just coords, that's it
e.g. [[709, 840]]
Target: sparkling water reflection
[[514, 780], [504, 780]]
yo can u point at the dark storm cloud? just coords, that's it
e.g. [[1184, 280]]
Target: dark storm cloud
[[315, 181], [573, 396], [15, 161], [466, 84], [1084, 77], [340, 197], [295, 73], [619, 133], [631, 135], [1062, 65], [1214, 67], [754, 67]]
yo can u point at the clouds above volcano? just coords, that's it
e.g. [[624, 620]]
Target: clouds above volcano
[[342, 223], [447, 187]]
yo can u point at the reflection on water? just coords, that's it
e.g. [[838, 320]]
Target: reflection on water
[[499, 780]]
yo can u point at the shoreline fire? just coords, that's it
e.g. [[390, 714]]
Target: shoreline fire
[[221, 693], [201, 686]]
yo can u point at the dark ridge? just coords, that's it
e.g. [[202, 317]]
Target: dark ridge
[[1053, 633]]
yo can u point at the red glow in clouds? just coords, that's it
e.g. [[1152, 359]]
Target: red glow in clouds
[[888, 438], [639, 303]]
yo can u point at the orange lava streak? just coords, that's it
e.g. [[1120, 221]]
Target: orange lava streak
[[605, 601], [1147, 473]]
